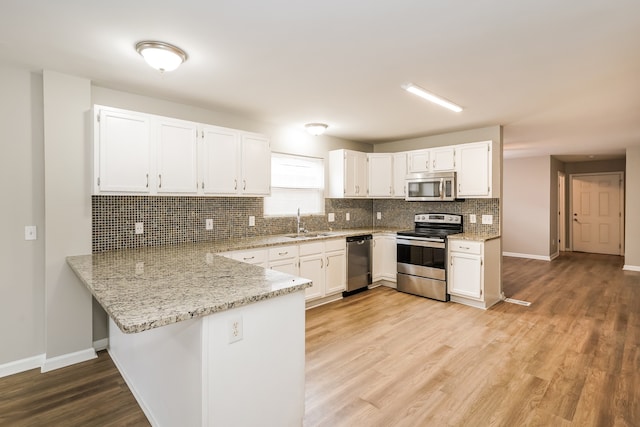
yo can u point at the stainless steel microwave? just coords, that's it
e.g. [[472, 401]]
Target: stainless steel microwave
[[430, 187]]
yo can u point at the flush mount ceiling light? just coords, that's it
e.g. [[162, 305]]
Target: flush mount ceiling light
[[316, 128], [417, 90], [160, 55]]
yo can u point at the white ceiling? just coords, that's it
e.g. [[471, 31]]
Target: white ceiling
[[563, 77]]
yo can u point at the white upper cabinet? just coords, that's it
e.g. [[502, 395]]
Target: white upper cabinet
[[255, 159], [122, 152], [176, 156], [137, 153], [399, 174], [380, 168], [443, 159], [347, 174], [220, 161], [473, 164], [235, 162], [419, 161]]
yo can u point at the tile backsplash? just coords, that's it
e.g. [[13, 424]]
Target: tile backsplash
[[172, 220]]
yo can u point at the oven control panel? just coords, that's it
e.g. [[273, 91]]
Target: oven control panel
[[438, 218]]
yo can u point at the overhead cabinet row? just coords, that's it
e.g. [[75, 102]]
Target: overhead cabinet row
[[355, 174], [137, 153]]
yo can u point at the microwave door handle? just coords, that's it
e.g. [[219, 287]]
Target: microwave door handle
[[441, 188]]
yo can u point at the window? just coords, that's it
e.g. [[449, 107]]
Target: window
[[296, 182]]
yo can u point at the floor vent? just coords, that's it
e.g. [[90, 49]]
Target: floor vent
[[517, 301]]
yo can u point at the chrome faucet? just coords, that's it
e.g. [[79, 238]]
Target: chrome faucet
[[298, 228]]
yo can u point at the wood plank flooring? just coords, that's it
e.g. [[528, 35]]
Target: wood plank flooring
[[91, 393], [384, 358]]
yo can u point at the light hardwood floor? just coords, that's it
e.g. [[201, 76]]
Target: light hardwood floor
[[384, 358]]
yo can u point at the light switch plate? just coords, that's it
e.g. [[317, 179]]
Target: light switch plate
[[209, 224], [378, 215], [347, 216], [487, 219], [331, 217], [472, 218]]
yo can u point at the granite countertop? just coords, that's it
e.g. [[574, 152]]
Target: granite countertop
[[478, 237], [142, 289]]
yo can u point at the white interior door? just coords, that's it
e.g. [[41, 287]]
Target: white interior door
[[597, 213]]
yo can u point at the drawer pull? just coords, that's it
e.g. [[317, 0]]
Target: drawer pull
[[464, 247], [247, 258], [283, 253]]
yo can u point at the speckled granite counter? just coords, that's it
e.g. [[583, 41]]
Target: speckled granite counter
[[474, 236], [146, 288]]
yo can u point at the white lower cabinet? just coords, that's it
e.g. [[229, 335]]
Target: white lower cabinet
[[335, 255], [284, 259], [384, 258], [474, 272], [325, 263]]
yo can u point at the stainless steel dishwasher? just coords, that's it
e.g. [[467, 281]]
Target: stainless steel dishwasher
[[358, 263]]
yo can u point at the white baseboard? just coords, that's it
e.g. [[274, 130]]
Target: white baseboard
[[68, 359], [631, 267], [21, 365], [530, 256], [101, 344], [554, 256]]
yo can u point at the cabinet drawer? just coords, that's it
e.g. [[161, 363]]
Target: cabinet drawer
[[251, 257], [311, 248], [465, 246], [282, 252], [334, 245]]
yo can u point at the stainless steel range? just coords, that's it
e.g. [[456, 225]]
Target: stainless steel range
[[422, 255]]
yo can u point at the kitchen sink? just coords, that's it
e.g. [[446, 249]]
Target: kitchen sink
[[307, 235]]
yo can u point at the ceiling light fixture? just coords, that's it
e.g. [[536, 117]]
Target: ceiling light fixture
[[417, 90], [316, 128], [160, 55]]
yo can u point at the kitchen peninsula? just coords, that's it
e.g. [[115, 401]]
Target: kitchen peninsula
[[202, 339]]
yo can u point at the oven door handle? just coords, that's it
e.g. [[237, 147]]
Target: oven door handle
[[425, 242]]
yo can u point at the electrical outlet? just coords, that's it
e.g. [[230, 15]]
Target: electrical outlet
[[252, 221], [487, 219], [473, 219], [378, 215], [30, 232], [208, 224], [139, 227], [331, 217], [139, 268], [347, 216], [235, 329]]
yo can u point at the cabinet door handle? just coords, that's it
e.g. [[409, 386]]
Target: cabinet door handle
[[203, 185], [321, 263], [235, 184], [327, 261], [434, 163], [147, 180], [159, 180], [244, 184]]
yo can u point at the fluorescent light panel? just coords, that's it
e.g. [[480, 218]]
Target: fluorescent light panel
[[417, 90]]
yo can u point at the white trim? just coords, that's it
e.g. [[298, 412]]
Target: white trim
[[102, 344], [554, 256], [631, 267], [530, 256], [21, 365], [68, 359]]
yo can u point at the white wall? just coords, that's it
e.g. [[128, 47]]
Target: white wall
[[526, 207], [632, 210], [67, 102], [22, 189]]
